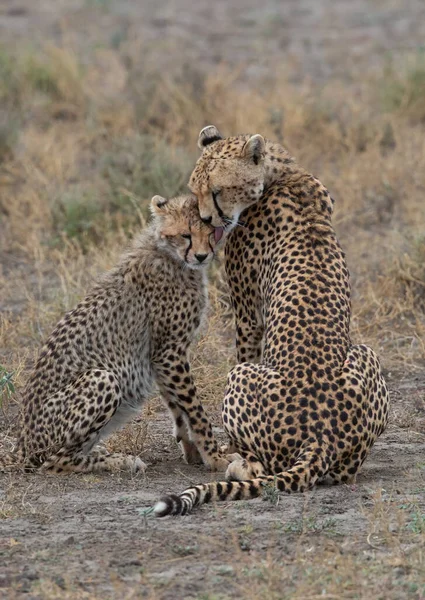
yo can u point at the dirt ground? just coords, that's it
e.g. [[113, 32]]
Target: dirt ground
[[86, 536]]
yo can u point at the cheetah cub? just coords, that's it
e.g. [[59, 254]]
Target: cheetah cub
[[129, 335]]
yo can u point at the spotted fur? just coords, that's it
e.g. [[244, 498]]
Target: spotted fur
[[304, 404], [130, 334]]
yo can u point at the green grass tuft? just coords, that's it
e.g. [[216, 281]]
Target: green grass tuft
[[7, 387]]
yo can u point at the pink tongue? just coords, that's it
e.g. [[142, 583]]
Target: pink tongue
[[218, 234]]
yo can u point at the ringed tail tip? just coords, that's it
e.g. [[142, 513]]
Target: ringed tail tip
[[169, 505]]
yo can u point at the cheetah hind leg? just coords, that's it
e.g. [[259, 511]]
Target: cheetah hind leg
[[362, 365], [99, 413]]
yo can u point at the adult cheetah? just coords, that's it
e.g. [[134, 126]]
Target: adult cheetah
[[314, 405], [105, 357]]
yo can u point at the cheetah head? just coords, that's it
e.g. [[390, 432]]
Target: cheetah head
[[228, 177], [181, 232]]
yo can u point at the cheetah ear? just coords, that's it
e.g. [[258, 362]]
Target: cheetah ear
[[254, 149], [208, 135], [157, 204]]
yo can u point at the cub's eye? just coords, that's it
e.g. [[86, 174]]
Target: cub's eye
[[215, 195], [186, 236]]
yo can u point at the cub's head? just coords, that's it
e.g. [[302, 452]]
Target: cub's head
[[228, 177], [181, 232]]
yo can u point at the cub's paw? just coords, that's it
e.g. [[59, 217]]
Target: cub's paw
[[135, 464]]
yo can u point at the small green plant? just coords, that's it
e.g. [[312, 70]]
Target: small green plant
[[258, 572], [271, 493], [299, 525], [309, 524], [185, 550], [7, 387], [329, 523], [417, 522], [246, 529]]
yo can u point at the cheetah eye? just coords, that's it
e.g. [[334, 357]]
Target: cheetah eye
[[215, 195], [186, 236]]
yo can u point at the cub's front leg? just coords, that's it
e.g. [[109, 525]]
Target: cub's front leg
[[178, 390]]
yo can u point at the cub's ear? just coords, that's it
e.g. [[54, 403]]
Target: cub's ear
[[254, 149], [208, 135], [157, 204]]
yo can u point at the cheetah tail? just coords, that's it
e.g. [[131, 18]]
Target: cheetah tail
[[207, 492], [311, 465]]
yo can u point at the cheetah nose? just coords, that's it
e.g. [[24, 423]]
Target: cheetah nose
[[206, 220], [201, 257]]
